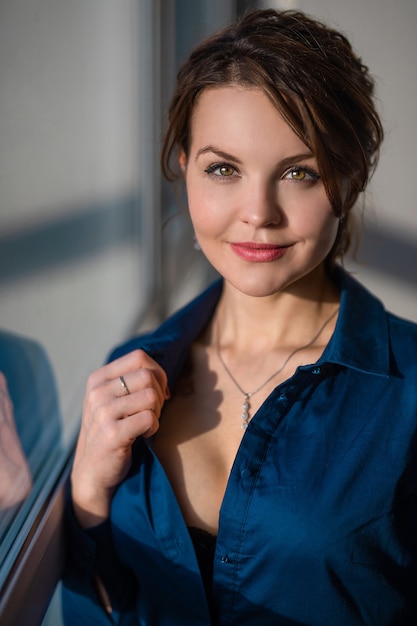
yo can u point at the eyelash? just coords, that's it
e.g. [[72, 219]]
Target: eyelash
[[210, 170], [312, 174]]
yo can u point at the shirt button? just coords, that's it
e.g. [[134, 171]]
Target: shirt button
[[316, 370], [225, 559], [246, 473]]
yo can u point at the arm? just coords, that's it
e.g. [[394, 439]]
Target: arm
[[96, 588], [112, 420]]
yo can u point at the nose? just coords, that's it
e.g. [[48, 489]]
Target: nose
[[260, 205]]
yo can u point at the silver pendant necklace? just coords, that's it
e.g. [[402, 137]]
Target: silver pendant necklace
[[248, 394]]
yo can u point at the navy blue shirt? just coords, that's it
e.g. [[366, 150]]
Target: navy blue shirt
[[318, 525]]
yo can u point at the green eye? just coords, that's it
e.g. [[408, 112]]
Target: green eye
[[221, 170], [302, 174], [226, 170], [298, 174]]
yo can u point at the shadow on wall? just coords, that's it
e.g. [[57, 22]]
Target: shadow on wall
[[388, 254], [85, 234], [68, 239]]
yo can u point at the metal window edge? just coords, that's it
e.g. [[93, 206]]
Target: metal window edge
[[38, 568]]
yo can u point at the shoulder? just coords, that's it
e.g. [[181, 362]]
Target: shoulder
[[403, 337], [13, 345], [371, 338], [23, 359], [402, 325], [179, 330], [32, 388]]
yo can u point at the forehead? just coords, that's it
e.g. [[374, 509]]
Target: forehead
[[235, 117]]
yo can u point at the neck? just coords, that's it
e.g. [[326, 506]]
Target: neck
[[289, 318]]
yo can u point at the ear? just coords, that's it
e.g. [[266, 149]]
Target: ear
[[182, 159]]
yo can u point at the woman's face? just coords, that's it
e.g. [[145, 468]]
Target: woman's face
[[256, 200]]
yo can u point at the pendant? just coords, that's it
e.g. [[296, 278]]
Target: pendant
[[245, 411]]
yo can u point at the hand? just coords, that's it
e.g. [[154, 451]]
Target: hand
[[112, 420], [15, 478]]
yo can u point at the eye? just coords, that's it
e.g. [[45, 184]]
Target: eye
[[222, 170], [301, 174]]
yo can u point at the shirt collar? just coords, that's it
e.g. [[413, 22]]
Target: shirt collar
[[170, 343], [360, 339]]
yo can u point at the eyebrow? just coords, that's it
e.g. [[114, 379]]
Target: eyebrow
[[218, 152], [290, 160]]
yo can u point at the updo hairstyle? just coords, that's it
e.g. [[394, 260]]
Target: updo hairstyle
[[316, 82]]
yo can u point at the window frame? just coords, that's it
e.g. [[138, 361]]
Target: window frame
[[33, 575]]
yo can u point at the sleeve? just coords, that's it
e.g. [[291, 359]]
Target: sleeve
[[97, 590]]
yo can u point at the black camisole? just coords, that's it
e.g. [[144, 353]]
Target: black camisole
[[204, 546]]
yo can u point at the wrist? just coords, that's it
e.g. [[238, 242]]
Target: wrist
[[91, 506]]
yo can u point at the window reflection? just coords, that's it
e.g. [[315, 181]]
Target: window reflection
[[15, 475], [30, 423]]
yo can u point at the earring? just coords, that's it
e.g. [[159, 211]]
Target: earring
[[196, 245]]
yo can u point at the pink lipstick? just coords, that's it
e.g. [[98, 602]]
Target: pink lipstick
[[258, 252]]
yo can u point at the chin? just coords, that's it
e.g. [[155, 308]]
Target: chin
[[256, 285], [256, 288]]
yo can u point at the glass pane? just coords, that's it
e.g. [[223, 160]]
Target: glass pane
[[75, 253]]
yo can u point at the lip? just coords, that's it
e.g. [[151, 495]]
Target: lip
[[258, 252]]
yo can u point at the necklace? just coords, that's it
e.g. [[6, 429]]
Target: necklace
[[248, 394]]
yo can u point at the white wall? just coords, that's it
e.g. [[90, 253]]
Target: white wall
[[72, 140], [68, 103]]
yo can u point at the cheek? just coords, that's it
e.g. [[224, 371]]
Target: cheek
[[317, 226], [330, 224], [326, 231], [314, 214], [205, 211]]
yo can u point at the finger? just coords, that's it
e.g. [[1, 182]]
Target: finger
[[6, 405], [136, 381], [143, 424], [146, 399], [136, 360], [101, 409], [121, 433], [100, 390], [3, 382]]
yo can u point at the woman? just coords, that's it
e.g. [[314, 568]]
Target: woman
[[305, 515]]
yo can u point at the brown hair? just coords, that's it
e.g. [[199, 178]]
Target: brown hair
[[314, 79]]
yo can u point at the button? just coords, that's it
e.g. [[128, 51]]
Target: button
[[282, 398], [225, 559], [316, 370], [246, 473]]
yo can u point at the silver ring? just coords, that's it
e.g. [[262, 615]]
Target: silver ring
[[123, 383]]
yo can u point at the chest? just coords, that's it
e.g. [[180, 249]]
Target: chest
[[202, 428], [313, 496], [197, 443]]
